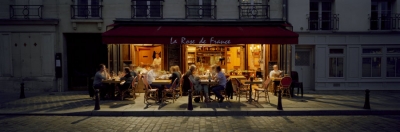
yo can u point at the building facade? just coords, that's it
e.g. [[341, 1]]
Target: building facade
[[33, 32], [347, 45]]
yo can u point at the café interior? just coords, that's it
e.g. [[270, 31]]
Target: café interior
[[234, 59]]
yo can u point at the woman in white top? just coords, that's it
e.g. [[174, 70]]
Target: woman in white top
[[275, 73]]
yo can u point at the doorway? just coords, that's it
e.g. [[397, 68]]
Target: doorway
[[304, 65]]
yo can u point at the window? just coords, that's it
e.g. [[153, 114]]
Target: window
[[147, 9], [87, 9], [320, 17], [371, 62], [380, 18], [199, 9], [336, 62], [253, 9], [393, 62]]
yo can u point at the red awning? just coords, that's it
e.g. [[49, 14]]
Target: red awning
[[199, 35]]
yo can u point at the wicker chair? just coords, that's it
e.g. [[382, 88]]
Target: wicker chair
[[148, 91], [285, 85], [130, 90], [240, 88], [171, 90], [263, 89]]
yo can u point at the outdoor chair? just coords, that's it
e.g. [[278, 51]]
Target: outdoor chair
[[196, 93], [296, 83], [264, 88], [240, 88], [130, 90], [284, 86], [171, 90], [149, 91]]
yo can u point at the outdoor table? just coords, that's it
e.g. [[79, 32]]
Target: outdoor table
[[115, 82], [162, 82], [209, 83], [251, 83], [239, 77]]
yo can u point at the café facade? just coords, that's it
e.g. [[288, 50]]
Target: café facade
[[236, 47]]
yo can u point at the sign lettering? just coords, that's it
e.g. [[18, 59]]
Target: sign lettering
[[212, 40]]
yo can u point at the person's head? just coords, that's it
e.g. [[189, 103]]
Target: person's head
[[141, 64], [174, 69], [102, 67], [157, 55], [218, 69], [275, 67], [192, 68], [127, 70]]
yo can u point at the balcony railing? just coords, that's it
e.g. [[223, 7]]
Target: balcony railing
[[86, 12], [324, 22], [247, 11], [26, 11], [384, 22], [146, 11], [201, 11]]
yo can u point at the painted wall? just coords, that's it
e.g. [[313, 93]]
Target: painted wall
[[353, 44]]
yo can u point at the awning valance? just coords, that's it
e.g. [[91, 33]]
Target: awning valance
[[199, 35]]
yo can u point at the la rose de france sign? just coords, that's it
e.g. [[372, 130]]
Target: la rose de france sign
[[211, 40]]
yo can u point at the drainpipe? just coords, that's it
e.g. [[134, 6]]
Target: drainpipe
[[285, 10]]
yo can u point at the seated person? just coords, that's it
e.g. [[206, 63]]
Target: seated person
[[175, 75], [151, 76], [275, 73], [221, 84], [98, 78], [128, 79], [198, 87]]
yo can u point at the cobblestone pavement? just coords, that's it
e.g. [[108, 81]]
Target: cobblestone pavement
[[203, 124], [80, 101]]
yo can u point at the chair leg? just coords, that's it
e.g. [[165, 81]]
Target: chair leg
[[301, 89]]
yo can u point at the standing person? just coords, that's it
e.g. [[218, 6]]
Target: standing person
[[98, 78], [221, 84], [151, 76], [275, 73], [157, 61]]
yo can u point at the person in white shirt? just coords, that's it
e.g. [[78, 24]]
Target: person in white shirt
[[151, 76], [157, 61], [221, 84], [275, 73]]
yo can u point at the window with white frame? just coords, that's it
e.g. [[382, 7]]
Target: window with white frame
[[253, 9], [87, 8], [392, 62], [336, 62], [147, 9], [371, 62], [381, 15], [199, 9], [320, 17]]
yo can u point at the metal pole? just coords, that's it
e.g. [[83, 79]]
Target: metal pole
[[190, 105], [279, 100], [97, 103], [366, 103]]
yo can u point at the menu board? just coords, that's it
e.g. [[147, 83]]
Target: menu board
[[174, 56]]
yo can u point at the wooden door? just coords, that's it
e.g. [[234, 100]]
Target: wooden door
[[146, 56]]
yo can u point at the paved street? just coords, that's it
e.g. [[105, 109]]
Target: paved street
[[75, 102], [206, 124]]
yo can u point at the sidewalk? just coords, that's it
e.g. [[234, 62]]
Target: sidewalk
[[313, 103]]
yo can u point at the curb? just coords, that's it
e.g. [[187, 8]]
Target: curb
[[214, 113]]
